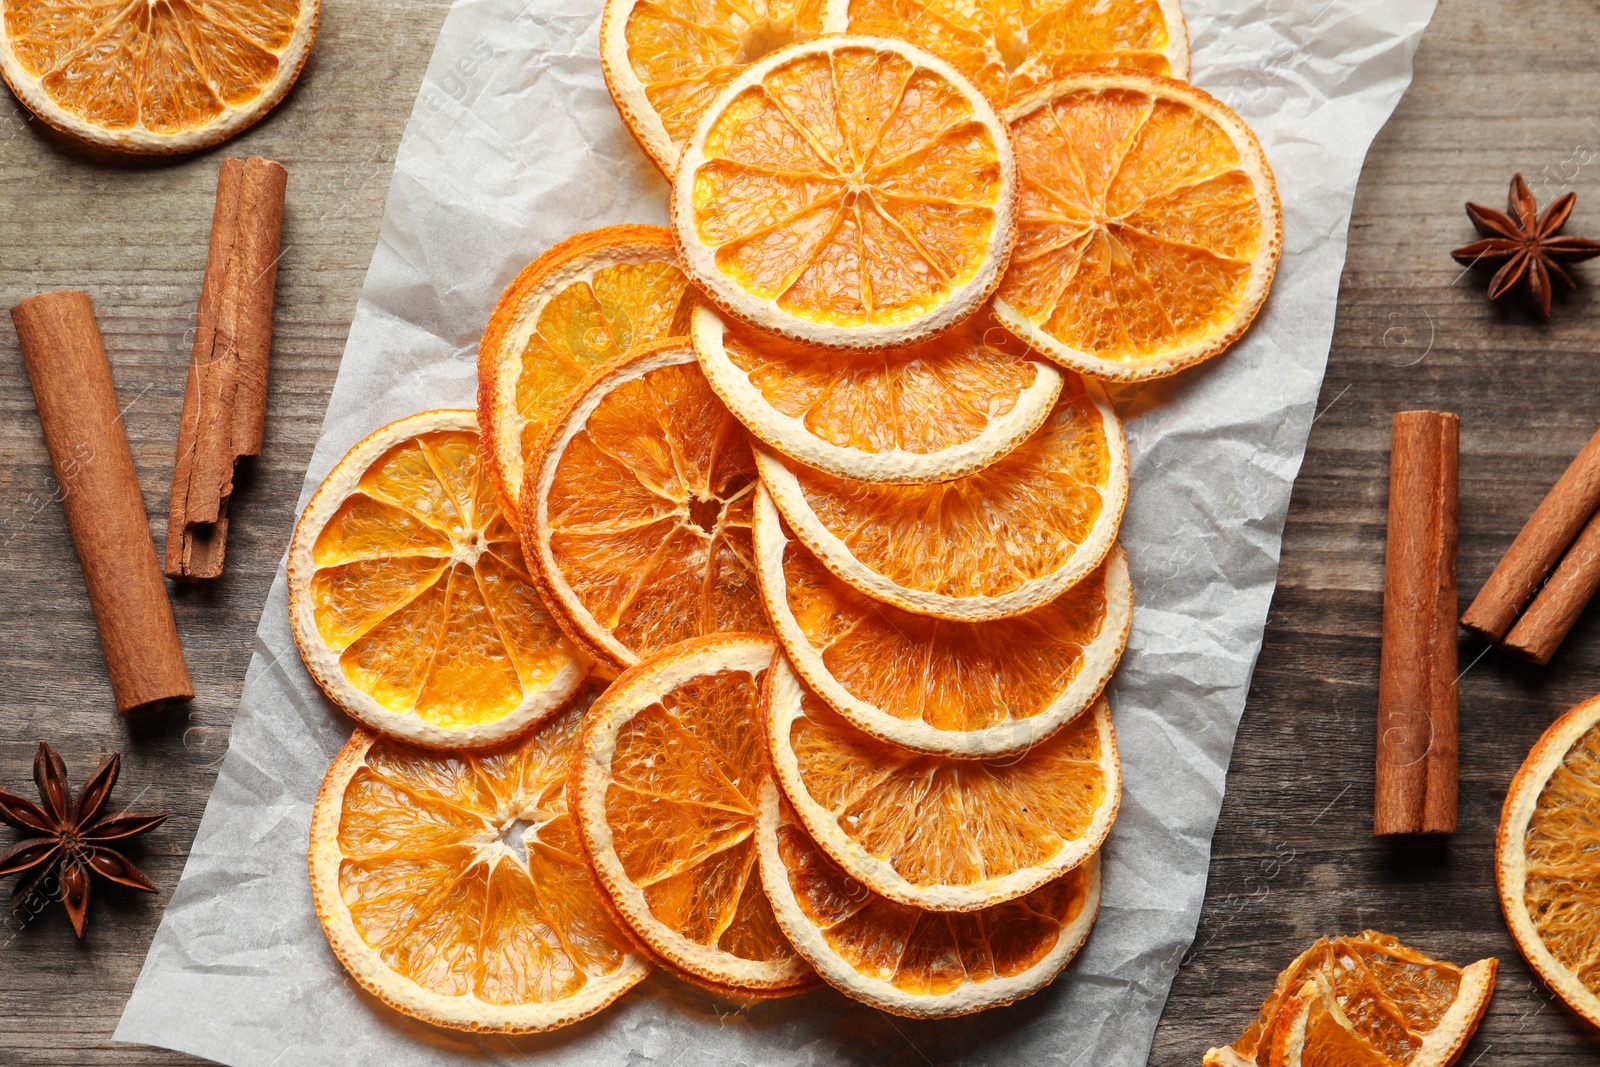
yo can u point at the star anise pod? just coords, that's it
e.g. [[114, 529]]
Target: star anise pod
[[1525, 245], [72, 837]]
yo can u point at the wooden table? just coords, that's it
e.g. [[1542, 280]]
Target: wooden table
[[1500, 87]]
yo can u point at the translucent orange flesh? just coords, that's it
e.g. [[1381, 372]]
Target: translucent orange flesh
[[927, 953], [921, 399], [466, 874], [1137, 224], [851, 188], [422, 589], [1393, 996], [650, 512], [169, 65], [681, 807], [940, 821], [1019, 519], [1007, 46], [685, 52], [1562, 891], [591, 323], [950, 675]]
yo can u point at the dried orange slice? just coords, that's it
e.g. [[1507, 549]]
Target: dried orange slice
[[938, 833], [1148, 225], [637, 509], [452, 886], [409, 597], [1365, 1001], [852, 192], [666, 60], [927, 412], [1547, 858], [923, 964], [1007, 49], [665, 787], [154, 77], [585, 302], [996, 543], [976, 689]]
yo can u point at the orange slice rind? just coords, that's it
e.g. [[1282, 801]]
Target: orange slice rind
[[665, 60], [980, 690], [584, 302], [1365, 1001], [636, 512], [920, 964], [452, 888], [665, 787], [996, 543], [154, 78], [1007, 49], [1545, 858], [1148, 225], [409, 597], [927, 412], [850, 192], [936, 833]]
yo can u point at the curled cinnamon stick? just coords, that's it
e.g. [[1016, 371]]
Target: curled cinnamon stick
[[99, 489], [1545, 624], [1540, 545], [225, 404], [1417, 710]]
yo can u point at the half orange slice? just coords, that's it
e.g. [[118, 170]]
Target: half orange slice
[[665, 787], [452, 887], [975, 689], [922, 964], [996, 543], [585, 302], [937, 833], [637, 509], [1149, 227], [409, 597], [927, 412]]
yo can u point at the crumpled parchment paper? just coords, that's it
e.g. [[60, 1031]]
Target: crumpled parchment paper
[[513, 145]]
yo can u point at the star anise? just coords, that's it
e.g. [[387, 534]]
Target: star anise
[[71, 837], [1525, 245]]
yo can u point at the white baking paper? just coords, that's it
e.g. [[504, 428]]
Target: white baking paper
[[513, 145]]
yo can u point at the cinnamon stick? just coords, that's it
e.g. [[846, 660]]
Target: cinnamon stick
[[1545, 624], [99, 489], [225, 404], [1540, 545], [1417, 710]]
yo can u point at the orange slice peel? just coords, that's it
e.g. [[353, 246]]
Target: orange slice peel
[[154, 78], [980, 690], [850, 192], [1545, 858], [920, 964], [451, 886], [1148, 225], [936, 833], [665, 787], [409, 597], [927, 412], [585, 302]]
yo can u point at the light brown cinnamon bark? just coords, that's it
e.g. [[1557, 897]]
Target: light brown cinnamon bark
[[99, 489], [1417, 709], [224, 406], [1545, 624], [1541, 544]]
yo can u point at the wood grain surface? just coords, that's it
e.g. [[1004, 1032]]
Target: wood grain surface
[[1500, 87]]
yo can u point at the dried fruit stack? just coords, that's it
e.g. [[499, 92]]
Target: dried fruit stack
[[822, 481]]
